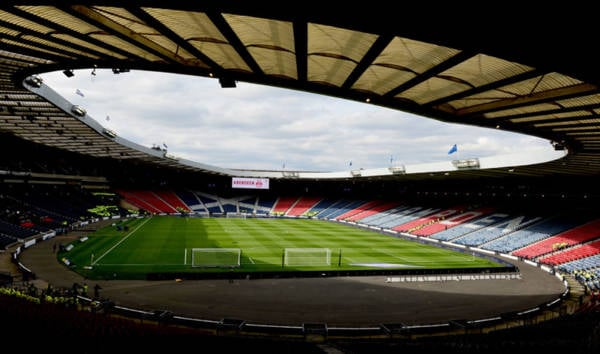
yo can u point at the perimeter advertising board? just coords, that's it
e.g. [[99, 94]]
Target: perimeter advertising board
[[250, 183]]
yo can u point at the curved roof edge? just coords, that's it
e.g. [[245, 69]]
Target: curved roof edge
[[507, 162]]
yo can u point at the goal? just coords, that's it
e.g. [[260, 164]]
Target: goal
[[307, 257], [216, 257]]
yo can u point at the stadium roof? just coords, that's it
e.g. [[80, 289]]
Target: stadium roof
[[528, 72]]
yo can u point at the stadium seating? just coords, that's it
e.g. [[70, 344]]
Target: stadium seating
[[532, 233], [383, 215], [378, 207], [570, 237], [451, 221], [339, 208], [429, 219], [138, 202], [574, 253], [283, 204], [505, 226], [462, 230], [191, 201], [302, 205], [171, 199], [348, 215]]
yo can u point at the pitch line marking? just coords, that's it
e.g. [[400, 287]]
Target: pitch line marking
[[118, 243]]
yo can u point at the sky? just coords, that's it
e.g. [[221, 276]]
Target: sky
[[270, 128]]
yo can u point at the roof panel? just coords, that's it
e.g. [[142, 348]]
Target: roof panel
[[58, 16], [401, 60], [198, 30], [189, 25], [583, 100], [30, 46], [546, 82], [571, 115], [597, 132], [85, 44], [274, 62], [382, 79], [414, 55], [125, 18], [479, 98], [333, 53], [9, 31], [24, 58], [59, 47], [483, 69], [329, 70], [135, 25], [568, 129], [24, 23], [477, 71], [116, 42], [338, 42], [271, 43], [530, 109], [432, 89]]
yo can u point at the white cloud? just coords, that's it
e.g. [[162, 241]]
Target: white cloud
[[262, 127]]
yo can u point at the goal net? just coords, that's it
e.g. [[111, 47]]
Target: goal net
[[307, 257], [216, 257]]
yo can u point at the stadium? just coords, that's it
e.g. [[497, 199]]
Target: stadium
[[104, 239]]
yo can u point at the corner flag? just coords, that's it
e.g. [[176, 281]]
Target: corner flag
[[453, 149]]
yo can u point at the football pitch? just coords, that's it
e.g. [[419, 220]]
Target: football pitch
[[134, 248]]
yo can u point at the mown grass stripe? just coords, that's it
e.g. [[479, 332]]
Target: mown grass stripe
[[156, 245]]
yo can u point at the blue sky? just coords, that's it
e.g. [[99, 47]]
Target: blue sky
[[262, 127]]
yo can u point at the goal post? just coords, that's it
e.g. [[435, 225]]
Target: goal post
[[307, 257], [216, 257]]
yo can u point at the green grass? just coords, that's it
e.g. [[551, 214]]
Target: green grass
[[162, 244]]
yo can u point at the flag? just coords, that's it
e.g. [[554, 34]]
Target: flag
[[350, 164], [165, 145], [391, 159], [453, 149], [78, 91], [283, 165], [107, 118]]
